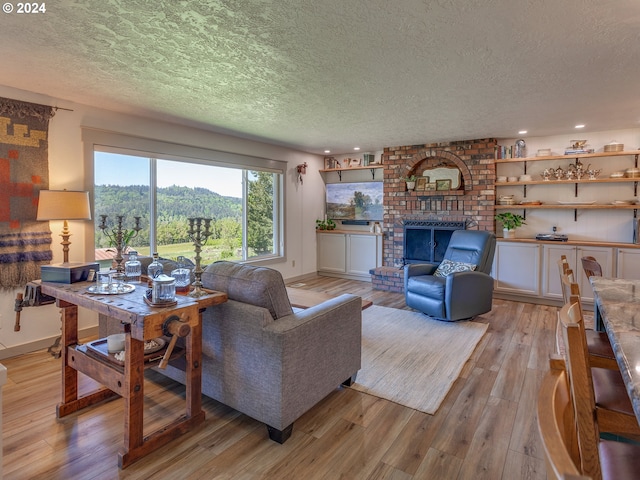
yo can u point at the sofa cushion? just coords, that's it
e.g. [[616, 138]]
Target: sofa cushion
[[447, 267], [259, 286]]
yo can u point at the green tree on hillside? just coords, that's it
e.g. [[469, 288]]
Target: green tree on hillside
[[260, 212]]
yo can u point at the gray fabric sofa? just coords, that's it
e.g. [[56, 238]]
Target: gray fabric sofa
[[267, 361]]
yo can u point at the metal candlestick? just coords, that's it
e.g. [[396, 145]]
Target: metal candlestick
[[199, 231], [119, 236]]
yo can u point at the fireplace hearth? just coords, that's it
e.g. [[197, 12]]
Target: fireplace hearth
[[426, 241]]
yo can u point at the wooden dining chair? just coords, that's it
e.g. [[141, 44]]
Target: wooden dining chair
[[600, 391], [556, 425], [598, 344], [591, 267]]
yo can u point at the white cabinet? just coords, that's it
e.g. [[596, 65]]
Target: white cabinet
[[363, 253], [332, 253], [516, 268], [628, 263], [349, 255]]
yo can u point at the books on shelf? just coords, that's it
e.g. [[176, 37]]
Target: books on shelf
[[577, 151]]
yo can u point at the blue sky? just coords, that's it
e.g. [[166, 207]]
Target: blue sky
[[116, 169]]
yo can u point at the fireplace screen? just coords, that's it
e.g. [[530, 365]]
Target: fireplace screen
[[426, 242]]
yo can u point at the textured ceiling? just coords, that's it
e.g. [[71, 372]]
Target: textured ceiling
[[316, 74]]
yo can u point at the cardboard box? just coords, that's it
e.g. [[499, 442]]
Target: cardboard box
[[71, 272]]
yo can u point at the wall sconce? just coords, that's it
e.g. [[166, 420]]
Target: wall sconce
[[64, 205], [302, 170]]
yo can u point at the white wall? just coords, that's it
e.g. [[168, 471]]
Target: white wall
[[303, 203]]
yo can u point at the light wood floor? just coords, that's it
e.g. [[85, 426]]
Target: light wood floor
[[485, 428]]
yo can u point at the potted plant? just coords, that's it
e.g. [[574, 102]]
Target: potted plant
[[510, 221], [330, 224], [410, 181], [321, 225]]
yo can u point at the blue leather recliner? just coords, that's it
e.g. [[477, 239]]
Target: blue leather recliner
[[460, 287]]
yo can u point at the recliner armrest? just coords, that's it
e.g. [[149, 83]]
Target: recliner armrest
[[414, 269], [468, 293]]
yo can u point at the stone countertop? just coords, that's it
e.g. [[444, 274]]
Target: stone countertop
[[619, 303]]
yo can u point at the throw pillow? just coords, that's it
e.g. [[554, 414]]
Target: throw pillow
[[447, 267]]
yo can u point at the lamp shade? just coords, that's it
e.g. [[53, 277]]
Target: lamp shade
[[63, 205]]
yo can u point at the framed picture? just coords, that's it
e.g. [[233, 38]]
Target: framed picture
[[444, 184], [329, 162], [421, 182], [430, 187], [355, 162]]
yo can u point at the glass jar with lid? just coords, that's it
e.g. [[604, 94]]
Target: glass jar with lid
[[182, 274], [163, 289]]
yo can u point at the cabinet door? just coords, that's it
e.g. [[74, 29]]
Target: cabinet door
[[628, 263], [517, 268], [551, 287], [332, 252], [362, 254], [604, 256]]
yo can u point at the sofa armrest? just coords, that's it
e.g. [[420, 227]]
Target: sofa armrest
[[275, 370], [320, 349]]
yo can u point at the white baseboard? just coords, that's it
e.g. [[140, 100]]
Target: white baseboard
[[41, 344]]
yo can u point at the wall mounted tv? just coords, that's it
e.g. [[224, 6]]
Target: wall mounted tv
[[355, 201]]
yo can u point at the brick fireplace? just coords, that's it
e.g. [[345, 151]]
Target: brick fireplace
[[473, 203]]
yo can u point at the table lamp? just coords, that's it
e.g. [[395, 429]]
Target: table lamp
[[64, 205]]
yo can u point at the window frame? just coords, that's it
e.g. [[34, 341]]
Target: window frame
[[118, 143]]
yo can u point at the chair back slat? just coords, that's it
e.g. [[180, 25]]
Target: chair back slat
[[582, 394], [557, 427], [568, 285]]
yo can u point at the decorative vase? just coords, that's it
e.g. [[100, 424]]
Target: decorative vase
[[506, 233], [411, 185]]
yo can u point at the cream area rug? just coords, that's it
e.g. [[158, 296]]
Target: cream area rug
[[411, 359]]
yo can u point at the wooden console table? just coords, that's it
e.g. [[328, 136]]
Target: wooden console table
[[141, 323]]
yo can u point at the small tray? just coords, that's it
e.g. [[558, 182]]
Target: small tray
[[159, 304], [126, 288], [99, 348]]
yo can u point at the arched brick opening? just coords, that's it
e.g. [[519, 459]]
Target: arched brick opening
[[447, 156]]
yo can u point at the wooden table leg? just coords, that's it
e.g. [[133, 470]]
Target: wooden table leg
[[193, 371], [70, 401], [133, 401], [69, 317]]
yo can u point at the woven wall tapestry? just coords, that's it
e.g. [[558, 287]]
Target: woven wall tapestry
[[25, 244]]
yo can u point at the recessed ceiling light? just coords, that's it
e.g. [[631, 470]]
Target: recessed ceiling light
[[327, 151], [579, 126], [522, 132], [356, 148]]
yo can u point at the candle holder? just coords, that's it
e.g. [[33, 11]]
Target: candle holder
[[119, 236], [199, 231]]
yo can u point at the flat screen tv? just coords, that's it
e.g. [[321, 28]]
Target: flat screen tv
[[355, 201]]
